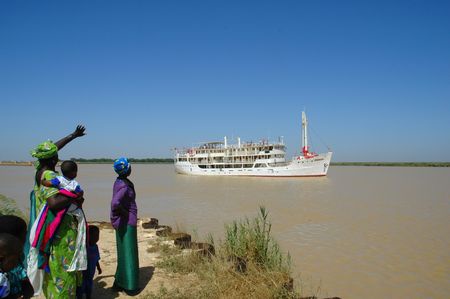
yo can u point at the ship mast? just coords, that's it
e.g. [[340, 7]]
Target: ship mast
[[304, 134]]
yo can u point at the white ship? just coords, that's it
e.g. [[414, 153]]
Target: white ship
[[252, 159]]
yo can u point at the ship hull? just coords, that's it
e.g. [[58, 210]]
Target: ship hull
[[298, 167]]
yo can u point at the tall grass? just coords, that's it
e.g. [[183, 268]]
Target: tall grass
[[251, 241], [8, 206], [248, 264]]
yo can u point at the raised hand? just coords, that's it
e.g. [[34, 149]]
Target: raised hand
[[79, 131]]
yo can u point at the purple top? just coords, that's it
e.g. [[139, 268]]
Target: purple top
[[125, 196]]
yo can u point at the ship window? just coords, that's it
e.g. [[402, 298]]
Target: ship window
[[279, 164], [260, 165]]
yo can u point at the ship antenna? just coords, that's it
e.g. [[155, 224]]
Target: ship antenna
[[304, 134], [321, 140]]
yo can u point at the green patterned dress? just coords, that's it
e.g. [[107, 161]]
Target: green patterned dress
[[59, 283], [41, 193]]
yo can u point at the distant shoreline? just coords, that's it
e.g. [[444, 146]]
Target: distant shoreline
[[395, 164], [95, 161], [170, 161]]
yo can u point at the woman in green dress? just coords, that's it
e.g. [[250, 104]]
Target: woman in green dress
[[47, 155], [57, 281]]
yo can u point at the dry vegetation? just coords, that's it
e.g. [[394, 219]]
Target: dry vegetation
[[8, 206], [247, 264]]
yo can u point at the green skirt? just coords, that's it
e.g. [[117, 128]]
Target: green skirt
[[58, 283], [127, 272]]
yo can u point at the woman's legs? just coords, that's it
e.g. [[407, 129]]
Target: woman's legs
[[127, 272]]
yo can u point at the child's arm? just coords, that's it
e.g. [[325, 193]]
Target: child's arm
[[4, 286], [46, 183], [98, 268], [52, 183], [78, 191]]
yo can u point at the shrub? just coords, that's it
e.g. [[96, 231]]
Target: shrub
[[248, 264], [250, 241], [8, 206]]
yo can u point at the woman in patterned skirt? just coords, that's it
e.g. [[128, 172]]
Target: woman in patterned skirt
[[60, 275]]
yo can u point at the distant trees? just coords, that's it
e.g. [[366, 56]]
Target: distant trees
[[397, 164], [132, 160]]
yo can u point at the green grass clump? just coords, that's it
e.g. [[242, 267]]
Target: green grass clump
[[8, 206], [250, 241], [248, 264]]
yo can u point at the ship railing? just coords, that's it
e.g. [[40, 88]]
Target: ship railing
[[229, 153], [245, 146]]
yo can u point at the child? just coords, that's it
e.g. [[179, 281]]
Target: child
[[93, 257], [70, 188], [20, 286], [10, 251], [67, 181]]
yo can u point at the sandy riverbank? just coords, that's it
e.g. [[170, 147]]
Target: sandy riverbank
[[150, 277], [238, 269]]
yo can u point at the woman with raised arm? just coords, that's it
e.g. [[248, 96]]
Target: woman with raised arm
[[54, 261], [47, 155]]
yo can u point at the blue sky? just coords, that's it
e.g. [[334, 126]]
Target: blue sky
[[147, 76]]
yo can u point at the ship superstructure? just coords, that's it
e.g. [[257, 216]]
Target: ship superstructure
[[263, 158]]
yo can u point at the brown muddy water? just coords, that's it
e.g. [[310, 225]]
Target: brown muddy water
[[361, 232]]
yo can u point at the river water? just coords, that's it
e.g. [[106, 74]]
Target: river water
[[360, 232]]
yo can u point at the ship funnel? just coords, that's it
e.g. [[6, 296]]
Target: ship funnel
[[225, 142], [239, 142]]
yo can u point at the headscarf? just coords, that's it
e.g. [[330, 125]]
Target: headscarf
[[44, 150], [121, 166]]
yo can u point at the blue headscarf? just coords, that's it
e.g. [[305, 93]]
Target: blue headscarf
[[121, 166]]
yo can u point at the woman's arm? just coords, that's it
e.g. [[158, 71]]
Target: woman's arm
[[116, 204], [58, 201], [79, 131]]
